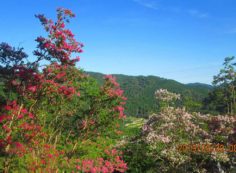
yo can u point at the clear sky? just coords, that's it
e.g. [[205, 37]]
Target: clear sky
[[184, 40]]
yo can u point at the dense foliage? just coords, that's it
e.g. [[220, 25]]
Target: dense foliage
[[140, 89], [53, 116]]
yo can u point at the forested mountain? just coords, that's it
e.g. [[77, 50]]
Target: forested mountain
[[140, 92]]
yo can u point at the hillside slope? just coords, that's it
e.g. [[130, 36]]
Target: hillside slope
[[140, 92]]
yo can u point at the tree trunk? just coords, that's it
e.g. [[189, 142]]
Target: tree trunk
[[231, 108], [6, 166], [227, 108]]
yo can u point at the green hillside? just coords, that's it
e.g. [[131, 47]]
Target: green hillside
[[140, 92]]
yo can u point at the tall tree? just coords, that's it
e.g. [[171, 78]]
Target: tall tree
[[226, 82]]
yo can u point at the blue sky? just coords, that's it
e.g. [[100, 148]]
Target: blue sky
[[177, 39]]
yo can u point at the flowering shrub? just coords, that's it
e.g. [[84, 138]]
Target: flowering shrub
[[164, 136], [20, 133], [165, 97], [61, 42], [58, 109], [113, 163], [18, 127]]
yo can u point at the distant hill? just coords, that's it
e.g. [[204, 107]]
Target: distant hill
[[200, 85], [140, 92]]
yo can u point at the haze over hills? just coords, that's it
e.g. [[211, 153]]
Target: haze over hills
[[140, 92], [200, 85]]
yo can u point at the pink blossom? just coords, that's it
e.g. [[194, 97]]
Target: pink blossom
[[104, 169], [32, 88], [2, 117], [18, 145], [31, 115], [93, 170], [20, 116]]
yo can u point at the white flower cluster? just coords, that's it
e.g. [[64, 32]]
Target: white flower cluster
[[220, 156], [175, 126], [152, 137], [165, 95], [166, 132]]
